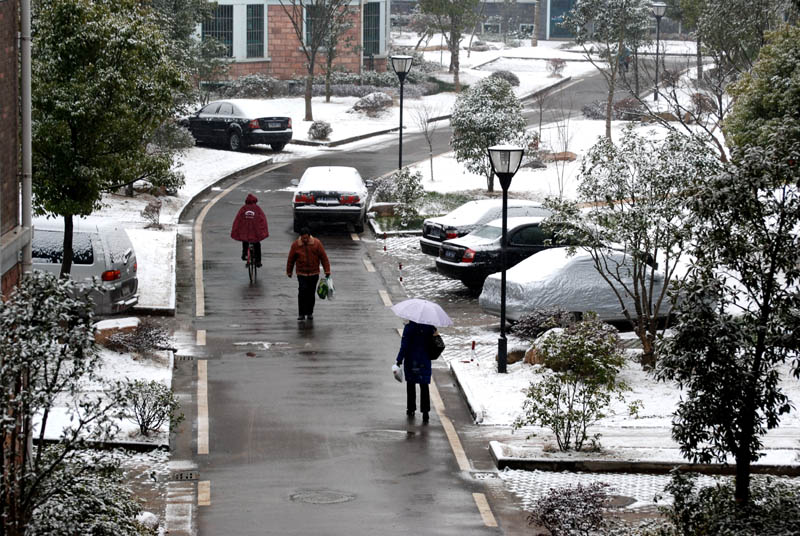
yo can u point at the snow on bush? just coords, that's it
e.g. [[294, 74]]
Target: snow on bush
[[149, 335], [572, 511], [533, 324], [319, 130], [373, 104], [255, 86], [149, 405], [555, 66], [508, 76]]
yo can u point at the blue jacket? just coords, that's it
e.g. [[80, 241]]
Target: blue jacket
[[413, 354]]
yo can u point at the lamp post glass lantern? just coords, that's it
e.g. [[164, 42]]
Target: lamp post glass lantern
[[401, 65], [505, 160], [659, 8]]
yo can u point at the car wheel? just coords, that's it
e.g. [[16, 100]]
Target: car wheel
[[234, 141], [277, 147], [359, 225]]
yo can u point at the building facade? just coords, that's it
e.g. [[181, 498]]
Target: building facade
[[261, 39], [512, 17], [12, 237]]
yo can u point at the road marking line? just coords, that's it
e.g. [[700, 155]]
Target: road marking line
[[201, 337], [387, 301], [202, 406], [355, 237], [204, 493], [369, 265], [450, 430], [484, 509], [199, 289]]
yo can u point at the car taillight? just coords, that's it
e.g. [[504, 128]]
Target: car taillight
[[303, 198], [451, 233], [469, 256], [289, 124], [349, 199], [135, 266], [254, 124], [111, 275]]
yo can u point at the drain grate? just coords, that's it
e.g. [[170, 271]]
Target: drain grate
[[484, 475], [184, 358], [185, 475], [321, 496]]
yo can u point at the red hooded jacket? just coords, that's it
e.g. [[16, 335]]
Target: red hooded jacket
[[250, 224]]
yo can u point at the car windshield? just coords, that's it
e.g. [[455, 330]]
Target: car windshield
[[489, 232]]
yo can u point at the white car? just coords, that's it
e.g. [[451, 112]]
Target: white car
[[105, 255], [330, 194], [469, 217], [551, 278]]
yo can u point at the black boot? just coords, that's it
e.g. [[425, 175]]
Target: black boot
[[425, 417]]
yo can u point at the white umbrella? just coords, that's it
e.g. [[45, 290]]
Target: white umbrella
[[422, 312]]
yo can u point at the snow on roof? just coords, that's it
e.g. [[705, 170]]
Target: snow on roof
[[516, 221], [473, 211]]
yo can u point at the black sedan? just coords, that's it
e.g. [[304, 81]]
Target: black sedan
[[237, 123], [473, 257]]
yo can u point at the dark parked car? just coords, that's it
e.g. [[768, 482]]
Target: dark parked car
[[469, 217], [330, 194], [473, 257], [237, 123]]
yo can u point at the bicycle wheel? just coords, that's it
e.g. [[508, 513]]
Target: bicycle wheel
[[251, 264]]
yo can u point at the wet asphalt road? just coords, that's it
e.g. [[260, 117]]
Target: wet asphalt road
[[307, 428]]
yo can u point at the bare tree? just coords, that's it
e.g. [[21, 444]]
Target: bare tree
[[453, 17], [338, 39], [426, 119], [312, 21]]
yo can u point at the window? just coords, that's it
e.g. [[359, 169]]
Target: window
[[255, 31], [226, 108], [313, 13], [48, 247], [220, 27], [491, 28], [529, 236], [526, 29], [372, 27], [210, 108]]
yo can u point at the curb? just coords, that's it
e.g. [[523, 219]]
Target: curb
[[474, 407], [617, 466], [244, 171], [346, 140]]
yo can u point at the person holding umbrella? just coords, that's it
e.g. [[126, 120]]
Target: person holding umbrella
[[423, 317]]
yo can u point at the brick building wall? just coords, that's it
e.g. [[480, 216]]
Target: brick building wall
[[286, 55], [9, 124]]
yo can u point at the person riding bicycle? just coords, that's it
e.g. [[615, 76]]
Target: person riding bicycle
[[250, 227]]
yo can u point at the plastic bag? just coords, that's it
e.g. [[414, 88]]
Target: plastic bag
[[322, 288], [397, 372], [331, 289]]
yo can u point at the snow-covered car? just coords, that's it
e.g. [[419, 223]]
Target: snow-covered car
[[473, 257], [330, 194], [553, 278], [237, 123], [105, 255], [469, 217]]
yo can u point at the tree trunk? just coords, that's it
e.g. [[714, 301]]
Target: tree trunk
[[535, 36], [309, 91], [455, 35], [636, 71], [431, 158], [490, 182], [66, 263], [328, 69], [699, 62]]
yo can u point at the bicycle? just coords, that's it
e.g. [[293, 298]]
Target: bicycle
[[250, 262]]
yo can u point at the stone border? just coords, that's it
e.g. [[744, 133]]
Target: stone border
[[623, 466]]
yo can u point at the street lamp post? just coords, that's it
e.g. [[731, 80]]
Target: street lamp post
[[505, 161], [659, 8], [401, 66]]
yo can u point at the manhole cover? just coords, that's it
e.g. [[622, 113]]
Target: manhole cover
[[321, 496], [386, 435]]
